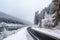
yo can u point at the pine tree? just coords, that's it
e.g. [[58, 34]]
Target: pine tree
[[36, 19], [56, 12]]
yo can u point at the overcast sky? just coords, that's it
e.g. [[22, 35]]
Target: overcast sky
[[24, 9]]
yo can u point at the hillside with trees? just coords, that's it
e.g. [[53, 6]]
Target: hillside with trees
[[49, 17]]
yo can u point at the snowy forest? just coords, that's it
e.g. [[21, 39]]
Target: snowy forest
[[49, 17]]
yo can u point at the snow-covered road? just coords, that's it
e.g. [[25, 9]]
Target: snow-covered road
[[20, 35]]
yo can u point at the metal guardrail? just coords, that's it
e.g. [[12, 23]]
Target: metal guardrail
[[40, 36]]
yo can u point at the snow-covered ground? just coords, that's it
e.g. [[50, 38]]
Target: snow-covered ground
[[20, 35]]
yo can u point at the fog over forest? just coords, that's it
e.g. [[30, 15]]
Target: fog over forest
[[24, 9]]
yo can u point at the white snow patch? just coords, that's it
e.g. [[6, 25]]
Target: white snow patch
[[21, 35]]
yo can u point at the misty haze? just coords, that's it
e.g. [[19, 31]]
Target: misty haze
[[29, 19]]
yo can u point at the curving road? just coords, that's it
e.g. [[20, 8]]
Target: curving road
[[27, 33], [40, 36]]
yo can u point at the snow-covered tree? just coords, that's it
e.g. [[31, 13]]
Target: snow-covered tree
[[54, 11], [48, 21], [50, 16], [36, 19]]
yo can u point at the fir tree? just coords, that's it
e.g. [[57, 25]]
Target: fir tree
[[36, 19]]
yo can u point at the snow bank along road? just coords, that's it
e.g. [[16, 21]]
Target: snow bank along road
[[42, 34], [28, 33], [20, 35]]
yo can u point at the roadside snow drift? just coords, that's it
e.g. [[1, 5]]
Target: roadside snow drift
[[21, 35]]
